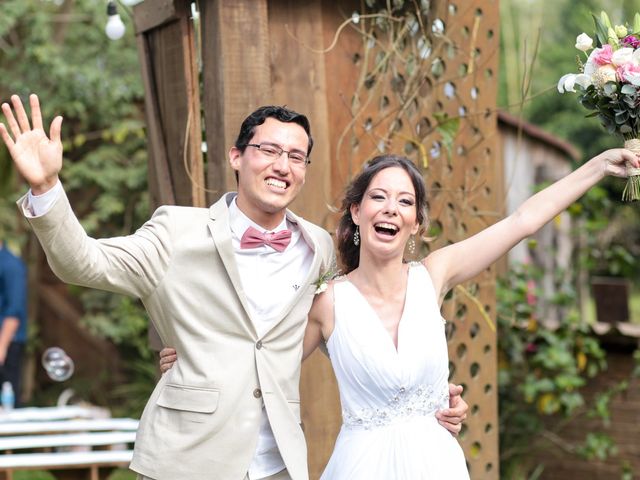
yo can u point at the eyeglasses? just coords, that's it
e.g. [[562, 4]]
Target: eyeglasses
[[274, 151]]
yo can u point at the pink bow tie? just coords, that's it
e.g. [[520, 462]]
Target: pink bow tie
[[253, 238]]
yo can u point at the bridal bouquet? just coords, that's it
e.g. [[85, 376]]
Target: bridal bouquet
[[608, 85]]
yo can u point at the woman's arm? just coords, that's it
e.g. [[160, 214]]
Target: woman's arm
[[320, 322], [463, 260]]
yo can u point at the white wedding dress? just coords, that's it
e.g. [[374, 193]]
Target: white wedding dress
[[389, 397]]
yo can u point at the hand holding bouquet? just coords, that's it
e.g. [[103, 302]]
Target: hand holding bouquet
[[609, 85]]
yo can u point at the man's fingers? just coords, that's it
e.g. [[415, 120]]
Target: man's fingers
[[6, 138], [36, 114], [454, 429], [21, 114], [11, 120], [455, 389], [56, 128], [168, 359]]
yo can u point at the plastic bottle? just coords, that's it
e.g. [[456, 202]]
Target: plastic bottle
[[7, 397]]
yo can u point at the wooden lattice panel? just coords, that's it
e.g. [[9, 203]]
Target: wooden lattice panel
[[401, 96]]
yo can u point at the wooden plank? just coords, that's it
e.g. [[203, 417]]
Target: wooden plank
[[160, 185], [168, 57], [38, 414], [150, 15], [33, 461], [299, 80], [69, 440], [24, 428], [236, 79], [192, 151], [172, 108]]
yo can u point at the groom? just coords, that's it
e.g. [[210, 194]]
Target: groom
[[229, 286]]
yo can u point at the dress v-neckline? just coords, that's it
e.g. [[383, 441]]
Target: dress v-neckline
[[383, 330]]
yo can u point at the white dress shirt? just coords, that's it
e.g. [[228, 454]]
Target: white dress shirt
[[270, 280]]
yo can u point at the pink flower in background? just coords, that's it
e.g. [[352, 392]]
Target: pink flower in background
[[602, 56], [531, 348], [630, 73], [531, 295], [631, 41]]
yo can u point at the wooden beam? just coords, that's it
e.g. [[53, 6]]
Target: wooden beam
[[236, 78], [160, 185], [150, 15]]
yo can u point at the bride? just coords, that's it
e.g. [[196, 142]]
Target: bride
[[382, 325]]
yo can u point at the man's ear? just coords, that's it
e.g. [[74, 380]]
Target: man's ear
[[355, 213], [234, 158]]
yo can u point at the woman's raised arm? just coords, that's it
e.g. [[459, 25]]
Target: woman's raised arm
[[456, 263]]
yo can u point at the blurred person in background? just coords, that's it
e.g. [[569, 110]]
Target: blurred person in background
[[13, 318]]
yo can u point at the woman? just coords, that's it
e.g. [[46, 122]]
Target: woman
[[381, 321]]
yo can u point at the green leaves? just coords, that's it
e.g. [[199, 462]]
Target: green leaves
[[448, 129], [602, 25], [62, 53], [616, 110]]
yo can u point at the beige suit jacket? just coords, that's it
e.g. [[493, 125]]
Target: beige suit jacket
[[202, 420]]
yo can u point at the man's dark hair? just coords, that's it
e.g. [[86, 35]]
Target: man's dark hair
[[282, 114]]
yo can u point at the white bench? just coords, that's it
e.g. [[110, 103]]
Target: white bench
[[73, 449]]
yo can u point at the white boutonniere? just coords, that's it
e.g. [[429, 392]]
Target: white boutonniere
[[322, 283]]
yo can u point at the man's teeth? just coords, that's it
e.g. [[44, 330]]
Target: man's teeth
[[276, 183]]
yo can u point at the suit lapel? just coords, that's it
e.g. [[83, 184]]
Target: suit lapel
[[221, 233]]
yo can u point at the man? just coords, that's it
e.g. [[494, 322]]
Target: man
[[229, 286], [13, 319]]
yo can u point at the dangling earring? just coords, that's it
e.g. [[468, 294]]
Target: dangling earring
[[356, 236], [412, 245]]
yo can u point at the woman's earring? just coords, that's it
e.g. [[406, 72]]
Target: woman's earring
[[356, 236], [412, 245]]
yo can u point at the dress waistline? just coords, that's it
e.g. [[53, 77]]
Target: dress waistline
[[418, 401]]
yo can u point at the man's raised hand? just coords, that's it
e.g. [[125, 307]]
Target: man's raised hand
[[37, 158]]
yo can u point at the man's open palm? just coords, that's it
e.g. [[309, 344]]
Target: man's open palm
[[38, 158]]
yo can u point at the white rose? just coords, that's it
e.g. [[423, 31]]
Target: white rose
[[321, 288], [584, 42], [622, 56]]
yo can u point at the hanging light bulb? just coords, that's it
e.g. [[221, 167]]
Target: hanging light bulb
[[114, 28]]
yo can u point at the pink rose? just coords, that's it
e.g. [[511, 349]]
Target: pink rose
[[602, 56], [629, 73]]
